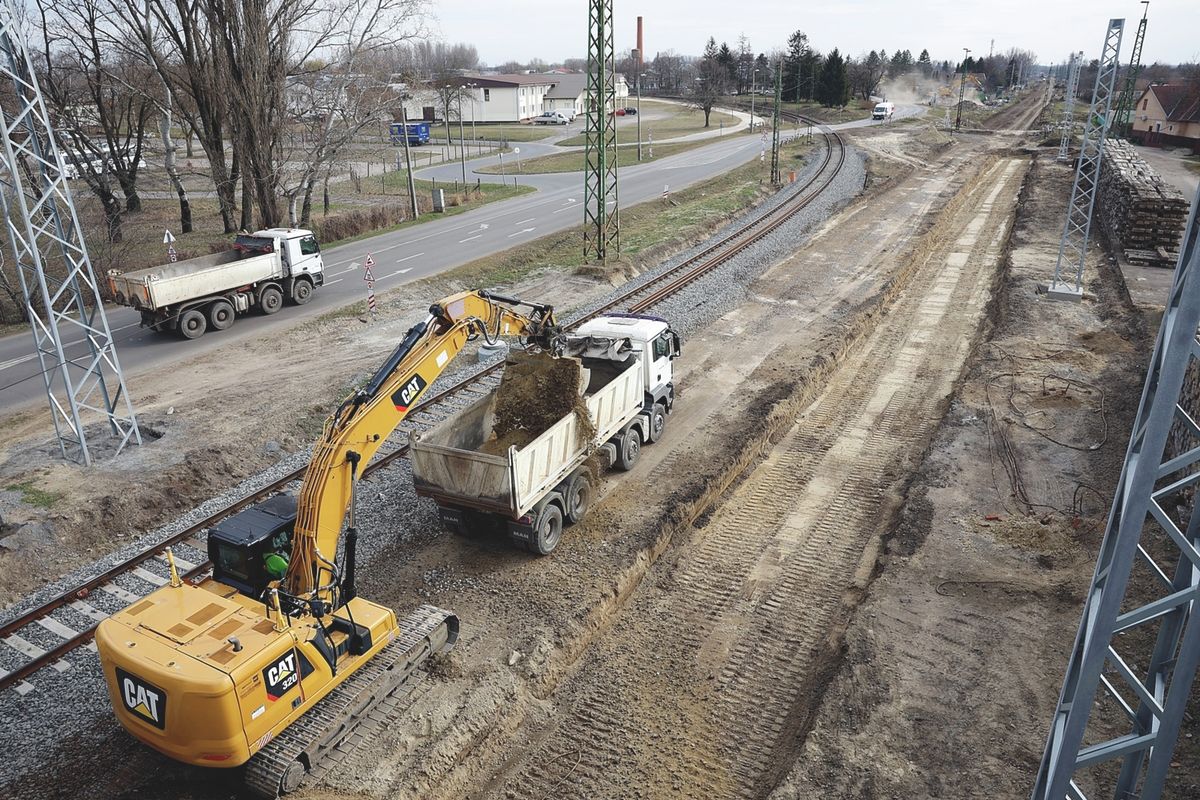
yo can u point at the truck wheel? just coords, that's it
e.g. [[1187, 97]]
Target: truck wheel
[[579, 496], [301, 292], [658, 422], [629, 449], [192, 324], [220, 315], [547, 530], [270, 299]]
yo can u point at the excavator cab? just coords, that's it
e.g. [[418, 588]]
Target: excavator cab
[[250, 549]]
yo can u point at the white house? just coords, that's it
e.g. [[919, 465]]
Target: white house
[[508, 98]]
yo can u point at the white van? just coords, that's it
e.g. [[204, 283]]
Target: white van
[[883, 111]]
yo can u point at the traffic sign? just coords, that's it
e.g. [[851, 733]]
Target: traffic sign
[[367, 276], [168, 237]]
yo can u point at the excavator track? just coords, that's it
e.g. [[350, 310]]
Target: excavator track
[[309, 745]]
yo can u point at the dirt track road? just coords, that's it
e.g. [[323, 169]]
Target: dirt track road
[[704, 683]]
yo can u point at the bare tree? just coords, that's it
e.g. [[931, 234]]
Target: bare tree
[[101, 119], [184, 56], [712, 81]]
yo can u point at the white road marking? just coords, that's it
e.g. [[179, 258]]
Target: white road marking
[[522, 222], [13, 362], [523, 230], [469, 238], [397, 272], [406, 258], [335, 280], [565, 208]]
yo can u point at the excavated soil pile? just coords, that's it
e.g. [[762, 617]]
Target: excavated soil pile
[[537, 390]]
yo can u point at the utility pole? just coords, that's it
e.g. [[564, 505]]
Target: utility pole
[[82, 377], [637, 65], [1072, 248], [1123, 116], [775, 122], [412, 184], [962, 89], [601, 226]]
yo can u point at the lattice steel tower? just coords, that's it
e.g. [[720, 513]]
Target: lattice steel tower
[[1068, 123], [71, 336], [1140, 646], [1072, 249], [601, 220], [1121, 117]]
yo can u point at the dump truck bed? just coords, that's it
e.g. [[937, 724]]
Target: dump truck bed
[[448, 465], [159, 287]]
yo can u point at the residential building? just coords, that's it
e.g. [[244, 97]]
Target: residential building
[[1168, 114], [509, 98]]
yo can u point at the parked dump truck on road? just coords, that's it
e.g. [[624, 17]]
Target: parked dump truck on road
[[262, 270], [537, 488]]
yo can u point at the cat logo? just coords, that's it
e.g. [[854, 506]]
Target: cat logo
[[404, 398], [281, 676], [147, 702]]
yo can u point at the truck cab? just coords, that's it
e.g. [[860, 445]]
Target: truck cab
[[654, 341], [297, 247]]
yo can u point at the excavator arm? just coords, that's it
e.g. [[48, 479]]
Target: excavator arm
[[366, 418]]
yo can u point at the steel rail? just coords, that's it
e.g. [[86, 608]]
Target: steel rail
[[672, 281]]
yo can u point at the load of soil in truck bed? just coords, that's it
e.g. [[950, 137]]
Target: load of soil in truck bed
[[537, 390]]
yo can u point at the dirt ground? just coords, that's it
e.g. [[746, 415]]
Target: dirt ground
[[855, 569], [953, 663]]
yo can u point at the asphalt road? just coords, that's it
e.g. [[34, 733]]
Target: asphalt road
[[401, 256]]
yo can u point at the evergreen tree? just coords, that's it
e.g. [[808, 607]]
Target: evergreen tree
[[794, 75], [833, 88], [728, 62], [924, 64]]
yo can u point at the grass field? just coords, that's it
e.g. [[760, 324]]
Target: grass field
[[679, 121], [573, 161], [647, 230]]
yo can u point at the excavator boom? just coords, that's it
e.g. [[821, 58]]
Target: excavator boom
[[273, 660]]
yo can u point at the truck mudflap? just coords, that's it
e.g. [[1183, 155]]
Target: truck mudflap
[[310, 744]]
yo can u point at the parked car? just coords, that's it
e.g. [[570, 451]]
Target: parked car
[[620, 112], [631, 111]]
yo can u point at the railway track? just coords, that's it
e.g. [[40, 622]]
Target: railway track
[[42, 637]]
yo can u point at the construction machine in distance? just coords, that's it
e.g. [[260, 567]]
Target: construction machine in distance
[[272, 660]]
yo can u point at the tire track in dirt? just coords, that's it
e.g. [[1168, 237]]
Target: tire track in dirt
[[702, 686]]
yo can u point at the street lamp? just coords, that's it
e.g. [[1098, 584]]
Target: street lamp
[[478, 147], [517, 153], [753, 73], [462, 145]]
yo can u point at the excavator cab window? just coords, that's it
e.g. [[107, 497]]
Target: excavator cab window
[[250, 549]]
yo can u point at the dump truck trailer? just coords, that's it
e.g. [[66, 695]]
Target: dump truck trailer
[[208, 292], [536, 489]]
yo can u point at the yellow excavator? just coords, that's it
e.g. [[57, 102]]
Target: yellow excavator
[[273, 660]]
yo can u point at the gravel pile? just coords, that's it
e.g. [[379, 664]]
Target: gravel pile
[[72, 706]]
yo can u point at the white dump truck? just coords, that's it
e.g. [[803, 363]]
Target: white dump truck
[[535, 490], [883, 111], [262, 270]]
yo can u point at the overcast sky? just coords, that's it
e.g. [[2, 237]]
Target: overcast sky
[[556, 29]]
